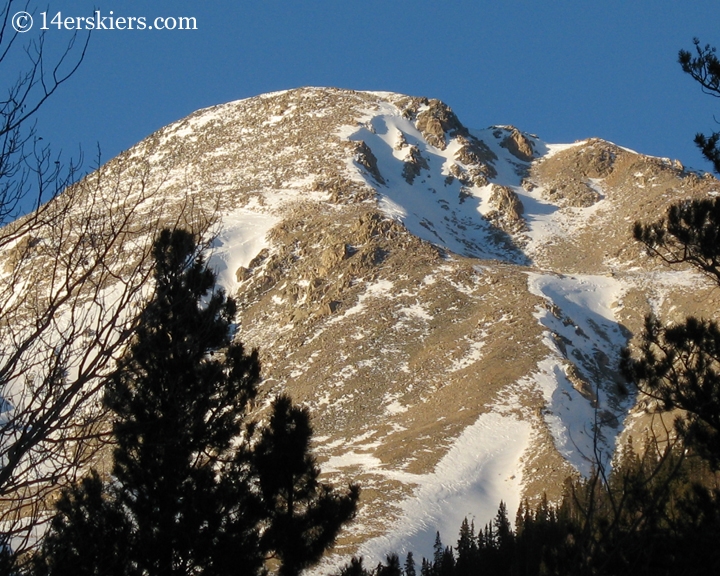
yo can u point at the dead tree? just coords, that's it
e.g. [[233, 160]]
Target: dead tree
[[29, 174], [73, 275]]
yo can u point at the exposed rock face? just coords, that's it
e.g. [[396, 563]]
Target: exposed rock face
[[569, 174], [518, 145], [414, 163], [434, 119], [573, 194], [508, 209], [342, 190], [450, 304], [366, 159], [474, 152]]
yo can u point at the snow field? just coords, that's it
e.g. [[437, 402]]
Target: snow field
[[589, 330], [480, 469], [243, 235]]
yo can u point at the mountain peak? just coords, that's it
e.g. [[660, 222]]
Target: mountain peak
[[450, 303]]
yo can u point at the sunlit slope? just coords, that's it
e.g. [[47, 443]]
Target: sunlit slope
[[449, 303]]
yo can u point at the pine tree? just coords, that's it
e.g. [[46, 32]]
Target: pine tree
[[90, 535], [467, 549], [184, 499], [503, 530], [680, 365], [179, 400], [410, 565], [447, 563], [438, 551], [489, 540], [354, 568], [391, 566], [303, 515], [704, 68], [504, 541]]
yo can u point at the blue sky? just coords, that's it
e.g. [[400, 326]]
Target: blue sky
[[564, 70]]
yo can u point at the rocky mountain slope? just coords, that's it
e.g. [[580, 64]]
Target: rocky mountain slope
[[449, 303]]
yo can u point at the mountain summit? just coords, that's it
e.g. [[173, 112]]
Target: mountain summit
[[449, 303]]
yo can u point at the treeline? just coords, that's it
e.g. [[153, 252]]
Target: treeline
[[654, 515]]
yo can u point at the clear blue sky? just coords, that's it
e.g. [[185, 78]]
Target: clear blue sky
[[564, 70]]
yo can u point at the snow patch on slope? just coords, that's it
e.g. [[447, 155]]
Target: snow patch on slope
[[555, 148], [432, 205], [584, 337], [480, 469], [243, 235], [472, 355]]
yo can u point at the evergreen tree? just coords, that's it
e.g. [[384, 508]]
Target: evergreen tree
[[704, 67], [680, 365], [354, 568], [503, 530], [438, 551], [410, 565], [467, 549], [184, 497], [90, 535], [303, 515], [489, 541], [447, 562], [391, 568]]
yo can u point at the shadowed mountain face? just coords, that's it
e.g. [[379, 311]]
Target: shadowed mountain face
[[449, 303]]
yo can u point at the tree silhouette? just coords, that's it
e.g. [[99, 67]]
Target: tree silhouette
[[191, 492], [303, 515], [680, 365], [704, 67]]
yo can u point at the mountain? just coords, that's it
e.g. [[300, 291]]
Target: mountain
[[449, 303]]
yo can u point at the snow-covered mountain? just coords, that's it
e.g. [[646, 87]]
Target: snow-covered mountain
[[449, 303]]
